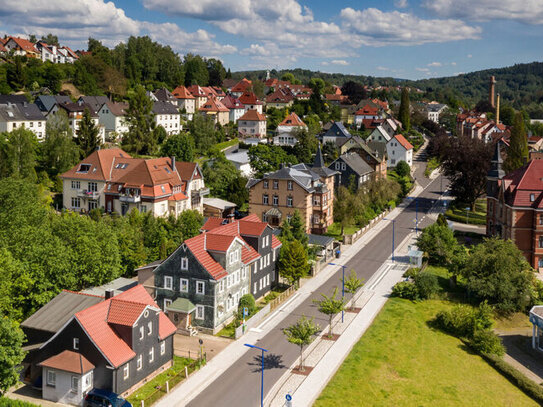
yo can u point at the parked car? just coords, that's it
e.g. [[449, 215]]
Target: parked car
[[104, 398]]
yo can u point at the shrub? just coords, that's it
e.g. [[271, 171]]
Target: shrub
[[486, 341], [458, 321], [6, 402], [427, 284], [411, 272], [247, 301], [405, 289], [403, 169]]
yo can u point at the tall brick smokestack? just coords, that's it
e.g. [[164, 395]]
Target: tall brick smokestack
[[491, 91]]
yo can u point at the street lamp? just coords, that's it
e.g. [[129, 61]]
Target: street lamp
[[262, 376], [467, 214], [416, 213], [393, 222], [342, 286]]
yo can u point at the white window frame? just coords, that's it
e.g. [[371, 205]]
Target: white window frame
[[255, 287], [142, 332], [167, 302], [184, 263], [149, 328], [126, 371], [87, 381], [76, 388], [76, 184], [200, 312], [184, 282], [151, 355], [244, 272], [51, 378], [203, 285], [139, 362], [168, 286], [162, 347], [76, 343]]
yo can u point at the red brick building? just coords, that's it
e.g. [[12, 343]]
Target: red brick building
[[515, 207]]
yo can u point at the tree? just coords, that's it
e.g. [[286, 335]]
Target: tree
[[404, 109], [306, 146], [330, 151], [180, 145], [16, 74], [353, 283], [18, 154], [517, 153], [216, 72], [224, 179], [440, 244], [288, 77], [293, 262], [11, 353], [294, 229], [331, 306], [403, 169], [267, 158], [196, 72], [87, 135], [202, 130], [141, 122], [50, 39], [58, 152], [301, 333], [190, 223], [344, 204], [354, 90], [247, 301], [497, 271]]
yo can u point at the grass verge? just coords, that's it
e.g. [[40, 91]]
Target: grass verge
[[477, 217], [431, 165], [334, 230]]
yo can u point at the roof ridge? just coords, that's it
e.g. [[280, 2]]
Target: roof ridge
[[82, 293], [527, 165]]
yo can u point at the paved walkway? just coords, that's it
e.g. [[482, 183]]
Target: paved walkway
[[189, 346]]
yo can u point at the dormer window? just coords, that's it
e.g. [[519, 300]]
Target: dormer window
[[84, 168], [532, 197]]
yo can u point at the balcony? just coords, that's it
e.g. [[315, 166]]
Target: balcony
[[85, 193], [202, 191], [130, 198]]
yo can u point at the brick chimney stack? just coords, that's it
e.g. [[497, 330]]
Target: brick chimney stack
[[491, 91]]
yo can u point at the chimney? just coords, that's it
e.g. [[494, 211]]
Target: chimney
[[491, 91], [173, 162], [498, 109], [109, 294]]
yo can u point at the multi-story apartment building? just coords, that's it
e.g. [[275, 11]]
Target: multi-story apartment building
[[27, 115], [252, 124], [167, 116], [515, 207], [113, 180], [306, 188], [201, 283]]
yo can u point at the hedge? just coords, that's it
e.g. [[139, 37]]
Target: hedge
[[6, 402]]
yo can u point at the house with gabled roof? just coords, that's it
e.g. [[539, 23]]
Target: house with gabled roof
[[75, 112], [237, 109], [252, 124], [251, 102], [112, 116], [27, 115], [200, 284], [185, 101], [214, 108], [200, 95], [352, 171], [280, 98], [287, 129], [337, 134], [380, 134], [167, 116], [241, 87], [22, 47], [46, 102], [115, 344], [399, 149]]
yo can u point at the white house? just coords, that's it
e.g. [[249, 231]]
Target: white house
[[27, 115], [287, 129], [112, 117], [185, 101], [252, 124], [167, 116], [251, 102], [380, 134], [399, 149], [240, 159], [237, 109], [434, 110]]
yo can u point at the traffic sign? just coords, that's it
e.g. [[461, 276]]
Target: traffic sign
[[245, 311]]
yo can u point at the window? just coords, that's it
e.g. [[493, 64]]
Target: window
[[87, 381], [93, 205], [51, 378], [289, 185], [84, 168], [265, 199], [268, 279], [237, 276], [200, 287], [143, 208], [75, 384], [275, 184], [93, 186], [540, 241], [316, 219], [151, 355], [162, 347], [541, 219], [275, 200], [76, 185], [316, 201], [142, 332], [139, 363], [338, 166], [76, 343], [532, 197], [343, 167], [273, 251], [199, 312], [254, 288], [149, 327], [289, 201], [76, 203], [244, 272], [168, 282], [184, 285], [265, 184], [167, 302], [184, 263]]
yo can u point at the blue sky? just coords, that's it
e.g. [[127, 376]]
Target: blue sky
[[401, 38]]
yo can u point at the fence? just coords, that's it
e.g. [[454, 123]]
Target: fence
[[173, 380], [282, 297], [350, 239]]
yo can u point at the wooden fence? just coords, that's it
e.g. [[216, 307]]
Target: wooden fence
[[282, 297]]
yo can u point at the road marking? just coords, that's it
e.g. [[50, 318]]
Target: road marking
[[255, 330]]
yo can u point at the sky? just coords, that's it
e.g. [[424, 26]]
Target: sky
[[411, 39]]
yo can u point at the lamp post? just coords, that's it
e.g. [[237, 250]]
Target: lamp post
[[393, 222], [342, 287], [416, 213], [262, 376], [467, 214]]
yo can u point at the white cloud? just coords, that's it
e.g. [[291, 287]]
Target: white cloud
[[339, 62], [435, 64], [378, 28], [382, 68], [400, 3], [423, 69], [202, 9], [525, 11], [74, 22], [470, 56]]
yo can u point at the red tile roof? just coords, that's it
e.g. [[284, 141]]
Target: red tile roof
[[182, 93], [217, 242], [242, 86], [283, 95], [249, 98], [292, 120], [368, 111], [232, 102], [253, 115], [197, 247], [402, 140], [101, 164], [124, 312], [212, 223], [522, 185], [213, 105], [24, 44], [196, 90], [69, 361]]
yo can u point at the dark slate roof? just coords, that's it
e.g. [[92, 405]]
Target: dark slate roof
[[162, 107], [357, 164], [96, 102], [4, 99], [319, 160], [46, 102], [435, 107], [379, 147], [164, 95], [30, 111], [320, 240], [53, 315], [337, 130], [20, 112]]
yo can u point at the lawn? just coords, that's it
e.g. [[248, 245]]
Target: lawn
[[401, 361], [476, 218], [431, 165], [334, 230]]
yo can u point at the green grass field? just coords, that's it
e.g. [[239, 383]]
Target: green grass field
[[334, 230], [401, 361]]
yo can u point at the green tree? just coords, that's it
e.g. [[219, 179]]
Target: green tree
[[11, 353], [497, 271], [247, 301], [196, 72], [331, 306], [302, 334], [16, 74], [344, 207], [404, 109], [87, 135], [294, 229], [517, 153], [202, 130], [190, 222], [440, 244], [353, 283], [403, 169], [288, 77], [216, 72], [18, 154], [140, 119], [58, 152], [180, 145], [293, 262], [306, 146], [225, 180], [268, 158]]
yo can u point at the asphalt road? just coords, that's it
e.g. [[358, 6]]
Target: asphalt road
[[239, 385]]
